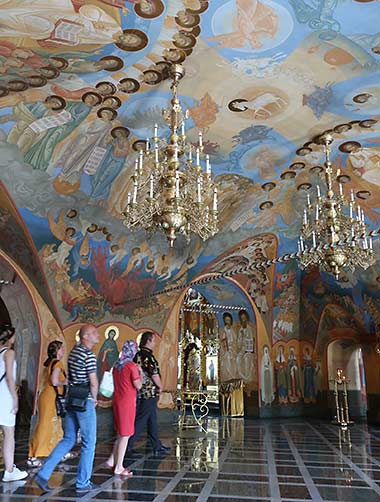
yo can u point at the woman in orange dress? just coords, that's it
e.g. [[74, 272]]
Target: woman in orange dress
[[48, 431]]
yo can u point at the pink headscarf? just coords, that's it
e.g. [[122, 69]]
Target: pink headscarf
[[127, 354]]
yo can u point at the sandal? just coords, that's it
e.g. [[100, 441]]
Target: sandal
[[33, 462], [69, 456], [125, 472]]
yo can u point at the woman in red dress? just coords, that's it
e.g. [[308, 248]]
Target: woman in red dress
[[126, 378]]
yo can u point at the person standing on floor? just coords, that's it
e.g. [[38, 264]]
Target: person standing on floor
[[9, 402], [48, 431], [146, 408], [81, 414], [127, 378]]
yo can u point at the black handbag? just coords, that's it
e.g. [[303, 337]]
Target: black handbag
[[77, 396], [60, 399], [60, 402]]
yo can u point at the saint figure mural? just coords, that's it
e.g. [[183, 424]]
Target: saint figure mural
[[293, 374], [309, 393], [228, 350], [266, 377], [108, 354], [247, 347], [192, 361], [281, 376]]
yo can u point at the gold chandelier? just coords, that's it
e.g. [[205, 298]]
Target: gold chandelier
[[171, 190], [334, 235]]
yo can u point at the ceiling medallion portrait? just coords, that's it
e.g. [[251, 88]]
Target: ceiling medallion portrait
[[132, 40], [128, 85], [149, 9]]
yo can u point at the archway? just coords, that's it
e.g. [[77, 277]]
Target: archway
[[347, 355], [18, 309], [225, 291]]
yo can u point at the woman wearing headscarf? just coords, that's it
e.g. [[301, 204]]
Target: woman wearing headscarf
[[127, 379], [9, 402], [48, 431]]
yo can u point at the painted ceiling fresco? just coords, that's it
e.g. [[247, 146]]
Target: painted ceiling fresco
[[263, 77]]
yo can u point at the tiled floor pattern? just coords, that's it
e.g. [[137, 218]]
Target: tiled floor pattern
[[237, 460]]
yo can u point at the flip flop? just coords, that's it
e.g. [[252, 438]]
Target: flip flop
[[125, 472]]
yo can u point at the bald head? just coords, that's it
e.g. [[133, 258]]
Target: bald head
[[88, 335]]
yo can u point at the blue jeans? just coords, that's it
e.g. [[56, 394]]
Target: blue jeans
[[86, 422]]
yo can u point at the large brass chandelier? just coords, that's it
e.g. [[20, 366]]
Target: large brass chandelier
[[334, 235], [171, 189]]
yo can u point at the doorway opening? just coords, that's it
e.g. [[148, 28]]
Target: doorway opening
[[347, 355]]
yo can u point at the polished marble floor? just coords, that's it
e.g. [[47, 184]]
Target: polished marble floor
[[235, 460]]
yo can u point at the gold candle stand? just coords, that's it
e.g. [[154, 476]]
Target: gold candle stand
[[341, 400]]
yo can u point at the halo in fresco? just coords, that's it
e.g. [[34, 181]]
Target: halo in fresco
[[112, 328], [260, 26]]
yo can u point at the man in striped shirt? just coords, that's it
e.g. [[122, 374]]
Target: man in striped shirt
[[82, 371]]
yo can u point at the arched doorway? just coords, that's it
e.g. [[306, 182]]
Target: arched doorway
[[18, 308], [347, 355]]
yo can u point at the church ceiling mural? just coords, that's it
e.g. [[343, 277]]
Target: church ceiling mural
[[82, 81]]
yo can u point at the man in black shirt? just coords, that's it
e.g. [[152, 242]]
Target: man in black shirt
[[146, 410]]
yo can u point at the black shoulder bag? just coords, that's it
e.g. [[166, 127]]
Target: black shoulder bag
[[77, 396], [60, 399]]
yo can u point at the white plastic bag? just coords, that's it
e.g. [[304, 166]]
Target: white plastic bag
[[106, 385]]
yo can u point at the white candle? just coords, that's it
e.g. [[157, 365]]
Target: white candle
[[304, 217], [199, 190], [183, 128], [358, 217], [136, 167], [128, 202], [352, 196], [177, 184], [351, 210], [151, 186], [370, 244], [332, 235], [215, 202], [156, 154], [318, 191], [308, 199], [200, 139], [363, 216], [340, 189], [147, 144], [302, 244], [190, 153], [155, 130], [317, 212], [208, 167], [314, 240], [197, 156], [135, 192], [141, 161]]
